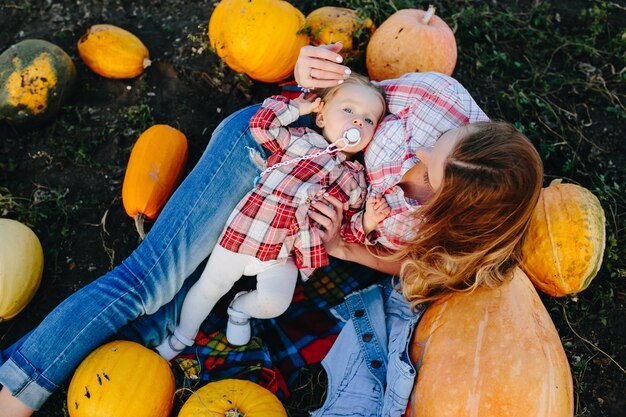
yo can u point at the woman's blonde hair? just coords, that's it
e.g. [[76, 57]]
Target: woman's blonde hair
[[327, 94], [473, 227]]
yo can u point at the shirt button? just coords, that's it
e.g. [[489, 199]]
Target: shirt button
[[376, 364], [359, 313], [367, 337], [308, 200]]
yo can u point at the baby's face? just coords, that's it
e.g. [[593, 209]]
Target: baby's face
[[352, 107]]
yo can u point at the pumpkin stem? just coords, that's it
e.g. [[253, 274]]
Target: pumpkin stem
[[556, 181], [233, 413], [139, 218], [146, 62], [429, 14]]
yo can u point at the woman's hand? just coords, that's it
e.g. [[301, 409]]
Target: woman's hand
[[320, 66], [329, 215]]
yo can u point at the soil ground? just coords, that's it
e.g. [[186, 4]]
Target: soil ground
[[64, 178]]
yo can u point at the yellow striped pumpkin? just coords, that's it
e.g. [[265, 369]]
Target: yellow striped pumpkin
[[565, 242]]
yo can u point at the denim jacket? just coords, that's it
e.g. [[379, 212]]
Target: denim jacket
[[368, 367]]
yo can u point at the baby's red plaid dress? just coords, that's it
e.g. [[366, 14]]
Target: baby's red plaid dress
[[272, 222]]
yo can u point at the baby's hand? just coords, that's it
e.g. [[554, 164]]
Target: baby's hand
[[307, 106], [376, 210]]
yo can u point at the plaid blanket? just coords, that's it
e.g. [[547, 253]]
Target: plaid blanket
[[280, 347]]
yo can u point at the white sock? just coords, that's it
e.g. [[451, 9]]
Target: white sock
[[170, 347]]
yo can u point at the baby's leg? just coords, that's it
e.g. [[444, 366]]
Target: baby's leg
[[222, 270], [273, 294]]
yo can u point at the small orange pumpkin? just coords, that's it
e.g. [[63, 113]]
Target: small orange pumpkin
[[233, 398], [261, 38], [492, 352], [121, 378], [411, 40], [154, 169], [329, 24], [113, 52], [565, 240]]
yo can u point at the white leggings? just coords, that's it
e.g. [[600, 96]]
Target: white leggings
[[276, 283]]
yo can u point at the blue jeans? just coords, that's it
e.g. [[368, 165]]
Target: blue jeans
[[144, 285]]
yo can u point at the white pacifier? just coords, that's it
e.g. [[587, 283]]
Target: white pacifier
[[352, 137]]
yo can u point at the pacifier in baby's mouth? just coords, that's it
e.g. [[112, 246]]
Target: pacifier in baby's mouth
[[352, 137]]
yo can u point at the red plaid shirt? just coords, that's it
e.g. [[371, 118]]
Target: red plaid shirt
[[423, 106], [271, 221]]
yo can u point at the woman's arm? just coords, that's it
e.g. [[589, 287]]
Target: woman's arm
[[329, 217]]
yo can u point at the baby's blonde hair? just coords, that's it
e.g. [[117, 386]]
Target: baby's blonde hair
[[328, 93]]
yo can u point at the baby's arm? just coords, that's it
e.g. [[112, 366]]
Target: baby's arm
[[268, 125], [376, 210], [308, 106]]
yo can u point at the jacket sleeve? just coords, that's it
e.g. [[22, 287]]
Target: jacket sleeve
[[268, 125]]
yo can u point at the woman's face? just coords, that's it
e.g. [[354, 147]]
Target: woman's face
[[352, 107], [434, 159]]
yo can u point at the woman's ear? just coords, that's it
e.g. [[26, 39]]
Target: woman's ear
[[423, 154]]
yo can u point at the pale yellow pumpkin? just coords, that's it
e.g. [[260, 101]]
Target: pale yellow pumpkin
[[411, 40], [493, 352], [21, 267], [261, 38], [154, 169], [121, 378], [232, 398], [329, 24], [565, 242], [113, 52]]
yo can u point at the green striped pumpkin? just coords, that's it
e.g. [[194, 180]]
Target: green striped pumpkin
[[36, 79]]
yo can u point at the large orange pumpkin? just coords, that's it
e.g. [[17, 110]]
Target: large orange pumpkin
[[411, 40], [121, 378], [261, 38], [565, 242], [21, 267], [232, 398], [493, 352], [113, 52], [154, 169], [329, 24]]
